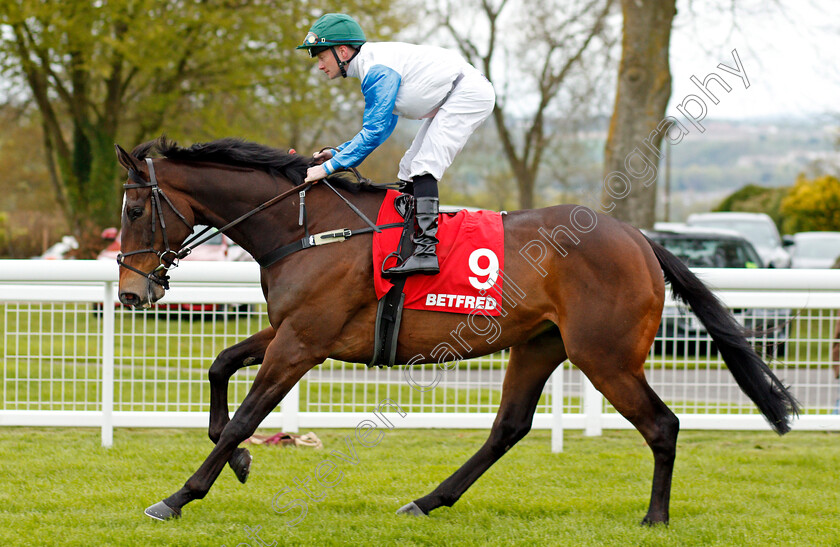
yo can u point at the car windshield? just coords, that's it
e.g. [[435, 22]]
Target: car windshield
[[759, 234], [712, 253], [817, 248]]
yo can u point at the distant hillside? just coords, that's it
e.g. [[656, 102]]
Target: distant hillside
[[730, 154], [705, 167]]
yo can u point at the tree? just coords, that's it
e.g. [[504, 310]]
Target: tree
[[541, 58], [99, 72], [636, 129], [756, 199], [812, 205], [27, 202]]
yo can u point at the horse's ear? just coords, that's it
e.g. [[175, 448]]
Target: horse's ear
[[125, 159]]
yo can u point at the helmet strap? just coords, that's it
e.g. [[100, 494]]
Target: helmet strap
[[342, 64]]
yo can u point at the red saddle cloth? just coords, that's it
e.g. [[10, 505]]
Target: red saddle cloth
[[471, 257]]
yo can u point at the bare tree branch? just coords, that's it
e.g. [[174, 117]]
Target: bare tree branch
[[564, 47]]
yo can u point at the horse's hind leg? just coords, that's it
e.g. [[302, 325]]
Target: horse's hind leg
[[530, 366], [627, 389], [246, 353]]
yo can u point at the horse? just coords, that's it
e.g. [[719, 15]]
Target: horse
[[592, 291]]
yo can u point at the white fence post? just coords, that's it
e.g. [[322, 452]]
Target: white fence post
[[290, 408], [557, 409], [593, 404], [108, 330]]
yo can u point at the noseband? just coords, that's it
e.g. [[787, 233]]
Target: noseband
[[168, 257]]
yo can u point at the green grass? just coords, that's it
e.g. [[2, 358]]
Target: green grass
[[60, 487]]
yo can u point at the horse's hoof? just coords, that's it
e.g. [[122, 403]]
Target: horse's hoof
[[240, 462], [161, 511], [411, 509]]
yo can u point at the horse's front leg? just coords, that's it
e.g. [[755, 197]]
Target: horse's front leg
[[281, 369], [250, 351]]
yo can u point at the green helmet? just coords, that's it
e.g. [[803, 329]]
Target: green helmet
[[333, 29]]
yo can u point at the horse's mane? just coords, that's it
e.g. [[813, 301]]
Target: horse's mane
[[238, 153]]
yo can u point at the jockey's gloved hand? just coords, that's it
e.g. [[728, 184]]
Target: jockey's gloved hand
[[314, 173], [320, 157]]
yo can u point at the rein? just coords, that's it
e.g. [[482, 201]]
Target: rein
[[165, 260], [169, 258], [332, 236]]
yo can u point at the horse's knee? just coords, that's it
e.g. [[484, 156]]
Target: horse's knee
[[216, 374], [226, 363], [220, 369]]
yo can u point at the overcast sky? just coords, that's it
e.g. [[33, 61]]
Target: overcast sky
[[790, 53]]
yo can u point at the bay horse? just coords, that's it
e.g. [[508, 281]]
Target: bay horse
[[593, 296]]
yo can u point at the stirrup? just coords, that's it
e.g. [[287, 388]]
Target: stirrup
[[414, 264], [395, 255]]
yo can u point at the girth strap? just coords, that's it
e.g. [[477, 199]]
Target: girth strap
[[333, 236], [387, 327], [390, 309]]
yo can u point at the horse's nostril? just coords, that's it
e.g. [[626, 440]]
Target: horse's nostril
[[129, 299]]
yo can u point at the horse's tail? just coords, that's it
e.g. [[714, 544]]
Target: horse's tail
[[752, 374]]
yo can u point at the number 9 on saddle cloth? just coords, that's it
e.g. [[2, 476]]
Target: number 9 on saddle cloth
[[471, 257]]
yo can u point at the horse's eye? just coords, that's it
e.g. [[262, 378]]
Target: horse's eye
[[135, 212]]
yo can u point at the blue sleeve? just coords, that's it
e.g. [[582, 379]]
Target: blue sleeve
[[379, 88]]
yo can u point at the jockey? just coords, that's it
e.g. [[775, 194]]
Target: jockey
[[414, 81]]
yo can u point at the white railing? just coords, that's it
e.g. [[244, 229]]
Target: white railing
[[70, 357]]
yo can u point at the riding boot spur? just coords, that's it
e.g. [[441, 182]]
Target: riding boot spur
[[423, 259]]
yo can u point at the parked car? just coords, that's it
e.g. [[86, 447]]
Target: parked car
[[814, 249], [707, 248], [758, 228], [680, 331], [218, 248]]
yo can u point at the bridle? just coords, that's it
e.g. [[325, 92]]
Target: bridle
[[168, 257]]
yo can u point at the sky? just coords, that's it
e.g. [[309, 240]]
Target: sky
[[789, 50]]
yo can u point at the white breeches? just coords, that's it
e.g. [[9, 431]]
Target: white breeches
[[443, 135]]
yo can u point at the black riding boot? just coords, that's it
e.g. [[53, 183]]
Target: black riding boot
[[423, 260]]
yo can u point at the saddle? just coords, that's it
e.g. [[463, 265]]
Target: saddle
[[471, 255], [464, 285]]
